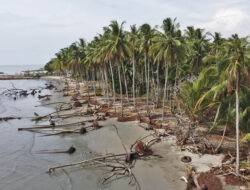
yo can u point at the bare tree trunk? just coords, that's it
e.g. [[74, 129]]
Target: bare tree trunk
[[125, 80], [93, 82], [102, 82], [134, 81], [165, 88], [237, 123], [158, 85], [106, 82], [154, 88], [146, 78], [148, 87], [176, 75], [113, 81], [120, 82]]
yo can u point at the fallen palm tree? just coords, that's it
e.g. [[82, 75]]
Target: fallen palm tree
[[50, 126], [70, 150], [43, 129], [37, 118], [43, 96], [9, 118], [120, 164], [82, 130]]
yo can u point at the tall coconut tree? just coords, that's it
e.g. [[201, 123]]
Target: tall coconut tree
[[146, 33], [133, 45], [198, 46], [238, 66], [165, 45], [118, 50]]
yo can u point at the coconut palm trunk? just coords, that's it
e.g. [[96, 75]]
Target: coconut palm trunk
[[145, 70], [146, 78], [106, 82], [120, 83], [134, 81], [237, 123], [176, 75], [113, 81], [94, 82], [158, 85], [148, 74], [165, 89], [102, 82], [125, 80]]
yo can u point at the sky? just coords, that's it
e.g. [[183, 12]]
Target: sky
[[32, 31]]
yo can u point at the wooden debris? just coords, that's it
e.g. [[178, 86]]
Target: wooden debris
[[8, 118], [186, 159], [77, 104], [43, 96], [49, 126], [71, 150], [83, 130]]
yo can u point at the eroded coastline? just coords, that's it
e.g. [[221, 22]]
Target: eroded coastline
[[29, 171]]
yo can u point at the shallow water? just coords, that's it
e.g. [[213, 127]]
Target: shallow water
[[17, 69], [22, 169]]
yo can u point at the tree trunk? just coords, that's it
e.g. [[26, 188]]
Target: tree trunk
[[237, 123], [148, 87], [125, 80], [176, 75], [165, 88], [106, 81], [154, 88], [113, 81], [146, 77], [93, 82], [120, 82], [102, 82], [134, 81], [158, 85]]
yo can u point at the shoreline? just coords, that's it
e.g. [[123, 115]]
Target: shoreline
[[202, 163], [164, 170], [150, 173]]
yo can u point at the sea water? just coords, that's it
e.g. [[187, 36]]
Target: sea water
[[17, 69]]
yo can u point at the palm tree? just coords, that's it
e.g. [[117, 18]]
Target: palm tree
[[133, 42], [165, 45], [146, 37], [198, 45], [213, 75], [118, 50], [237, 67]]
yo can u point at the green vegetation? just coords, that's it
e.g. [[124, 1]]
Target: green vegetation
[[202, 70], [201, 73]]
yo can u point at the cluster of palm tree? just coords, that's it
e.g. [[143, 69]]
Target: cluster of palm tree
[[194, 71]]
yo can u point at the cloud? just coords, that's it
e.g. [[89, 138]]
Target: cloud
[[228, 21], [31, 31]]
